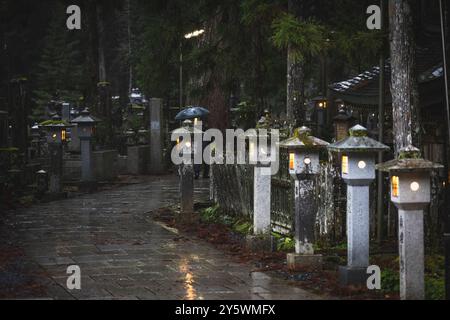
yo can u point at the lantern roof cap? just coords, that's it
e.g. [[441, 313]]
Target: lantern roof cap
[[343, 115], [319, 98], [55, 123], [302, 139], [409, 160], [85, 118], [358, 141]]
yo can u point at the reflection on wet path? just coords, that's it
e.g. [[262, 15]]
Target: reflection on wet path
[[122, 252]]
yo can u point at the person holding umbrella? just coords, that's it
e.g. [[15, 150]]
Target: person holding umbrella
[[195, 113]]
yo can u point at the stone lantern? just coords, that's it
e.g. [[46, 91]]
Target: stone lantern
[[320, 102], [129, 135], [410, 193], [357, 154], [36, 140], [304, 165], [187, 150], [342, 123], [41, 182], [259, 155], [143, 136], [85, 128], [321, 106], [56, 130]]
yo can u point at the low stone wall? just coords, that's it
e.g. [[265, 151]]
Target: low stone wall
[[122, 165], [71, 170], [138, 159], [105, 165]]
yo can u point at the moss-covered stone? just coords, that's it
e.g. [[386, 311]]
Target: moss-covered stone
[[54, 123]]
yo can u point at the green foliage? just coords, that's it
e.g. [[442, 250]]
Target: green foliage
[[284, 243], [60, 69], [243, 227], [390, 281], [210, 214], [215, 215], [434, 288], [305, 38], [9, 150], [245, 115], [134, 122], [434, 279], [358, 46]]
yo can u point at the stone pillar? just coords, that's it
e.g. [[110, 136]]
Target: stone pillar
[[56, 168], [358, 227], [65, 111], [305, 210], [261, 201], [305, 218], [86, 160], [357, 235], [411, 245], [156, 157], [186, 192]]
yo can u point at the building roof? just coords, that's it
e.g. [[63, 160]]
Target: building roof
[[363, 89]]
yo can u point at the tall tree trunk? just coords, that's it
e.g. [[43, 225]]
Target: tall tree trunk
[[101, 44], [295, 80], [130, 79], [404, 88]]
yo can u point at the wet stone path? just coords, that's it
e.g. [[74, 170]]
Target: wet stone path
[[121, 251]]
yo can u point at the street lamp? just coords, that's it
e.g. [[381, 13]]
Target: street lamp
[[187, 36]]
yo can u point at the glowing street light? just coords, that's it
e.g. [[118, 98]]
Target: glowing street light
[[187, 36], [194, 34]]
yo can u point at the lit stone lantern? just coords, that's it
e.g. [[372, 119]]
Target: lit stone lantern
[[411, 194], [85, 127], [357, 154], [187, 150], [56, 130], [342, 123], [321, 106], [304, 165], [320, 102], [260, 154]]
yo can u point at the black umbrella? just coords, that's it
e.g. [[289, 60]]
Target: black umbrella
[[192, 113]]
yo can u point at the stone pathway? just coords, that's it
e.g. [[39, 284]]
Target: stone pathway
[[122, 252]]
